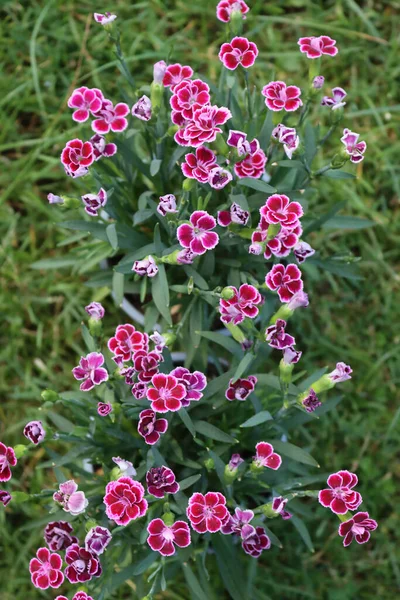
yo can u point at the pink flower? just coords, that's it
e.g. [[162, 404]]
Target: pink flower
[[57, 535], [142, 109], [126, 341], [70, 499], [244, 303], [341, 497], [353, 147], [139, 390], [225, 8], [104, 409], [124, 500], [105, 19], [85, 101], [161, 481], [159, 69], [101, 148], [314, 47], [125, 466], [241, 388], [146, 364], [185, 257], [188, 96], [5, 497], [205, 125], [290, 141], [279, 96], [45, 569], [90, 370], [255, 541], [286, 280], [78, 596], [336, 100], [266, 457], [318, 82], [358, 527], [111, 117], [277, 337], [77, 154], [166, 393], [234, 463], [197, 234], [82, 565], [238, 139], [97, 540], [94, 202], [236, 522], [282, 243], [7, 460], [176, 73], [147, 266], [279, 210], [341, 373], [235, 214], [291, 356], [194, 383], [151, 428], [80, 171], [207, 513], [311, 402], [238, 52], [302, 251], [167, 204], [53, 199], [299, 300], [34, 432], [95, 310], [218, 178], [278, 505], [163, 537], [251, 166], [199, 165]]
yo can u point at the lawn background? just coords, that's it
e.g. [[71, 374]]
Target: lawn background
[[47, 49]]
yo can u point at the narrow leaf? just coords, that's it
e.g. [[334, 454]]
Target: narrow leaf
[[257, 419], [213, 432]]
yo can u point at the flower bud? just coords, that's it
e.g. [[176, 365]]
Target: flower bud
[[95, 327], [318, 82], [168, 518], [268, 511], [156, 95], [236, 332], [71, 202], [236, 22], [169, 338], [188, 184], [171, 131], [159, 69], [227, 293], [190, 286], [285, 371], [20, 450], [209, 464], [339, 160]]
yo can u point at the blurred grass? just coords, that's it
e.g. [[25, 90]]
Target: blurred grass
[[47, 49]]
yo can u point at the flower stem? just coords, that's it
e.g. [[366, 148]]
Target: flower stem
[[246, 78]]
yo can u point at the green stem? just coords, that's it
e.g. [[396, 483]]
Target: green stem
[[124, 66], [327, 135], [304, 112], [322, 171], [246, 78]]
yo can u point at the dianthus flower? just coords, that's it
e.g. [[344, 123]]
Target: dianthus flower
[[189, 96], [314, 47], [95, 310], [198, 235], [291, 356], [97, 540], [241, 388], [282, 243], [111, 117], [5, 497], [235, 214], [34, 432], [341, 373], [205, 125], [82, 565], [336, 100], [142, 109], [90, 370], [176, 73], [207, 512], [101, 147], [279, 96], [94, 202], [70, 499], [161, 481], [235, 461], [198, 165], [278, 505], [353, 147], [126, 341], [151, 428], [252, 166], [194, 383], [159, 69], [146, 364], [85, 101], [358, 528], [285, 280], [255, 541], [311, 402], [104, 409], [185, 257], [125, 466], [45, 569], [225, 8], [340, 497], [147, 266], [244, 303], [58, 535], [240, 51], [166, 393], [279, 210], [7, 460], [266, 457], [290, 141], [218, 178], [302, 251], [124, 500], [237, 521], [77, 155], [105, 19], [167, 204], [162, 537], [238, 139], [277, 337], [78, 596]]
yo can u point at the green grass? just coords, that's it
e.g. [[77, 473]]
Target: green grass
[[48, 48]]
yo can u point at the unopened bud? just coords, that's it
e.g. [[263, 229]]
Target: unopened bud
[[49, 395]]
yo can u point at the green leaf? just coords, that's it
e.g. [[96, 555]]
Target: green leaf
[[193, 583], [112, 236], [197, 278], [217, 384], [294, 452], [345, 222], [186, 420], [291, 164], [160, 293], [87, 338], [131, 571], [264, 136], [142, 215], [335, 174], [188, 482], [257, 419], [257, 184], [196, 321], [310, 143], [118, 281], [155, 166], [303, 531], [213, 432], [53, 263], [230, 567], [317, 223], [222, 340], [349, 271], [243, 366]]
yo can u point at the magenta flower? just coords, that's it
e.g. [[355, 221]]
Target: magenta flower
[[358, 528], [78, 596], [240, 51], [198, 235], [266, 457], [80, 171], [291, 356], [97, 540], [235, 214], [7, 460], [277, 337], [126, 341], [278, 505], [95, 310], [302, 251], [146, 364], [77, 154], [124, 500], [166, 393], [111, 117], [45, 569], [34, 432], [147, 266], [311, 402], [255, 541], [105, 19], [161, 481], [185, 257], [70, 499], [225, 8], [194, 383], [251, 166], [244, 303], [336, 100], [341, 497], [341, 373], [94, 202], [90, 370], [104, 409], [234, 463], [207, 513], [238, 140], [290, 141], [5, 497], [189, 96], [279, 210], [82, 565], [218, 178], [314, 47], [205, 125], [142, 109], [101, 148], [199, 165], [58, 535], [159, 69], [318, 82], [279, 96], [282, 243], [353, 147], [139, 390], [176, 73], [167, 204], [163, 537], [241, 388], [236, 522], [151, 428], [285, 280], [85, 101]]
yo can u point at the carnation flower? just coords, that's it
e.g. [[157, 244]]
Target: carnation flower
[[314, 47], [58, 535], [237, 521], [70, 499], [7, 460], [111, 118], [124, 500], [142, 109], [234, 463], [105, 19], [302, 251], [146, 364], [95, 310], [277, 337], [290, 141], [340, 497], [318, 82], [166, 393], [125, 466], [82, 565], [282, 243], [235, 214], [291, 355], [104, 409], [188, 96], [336, 100], [240, 51], [45, 569], [198, 235], [266, 457], [90, 371], [194, 383], [225, 8], [126, 341], [185, 257], [5, 497], [199, 165], [167, 204], [279, 96], [358, 528], [218, 178], [80, 172], [161, 481], [34, 432], [53, 199], [97, 540], [241, 388], [147, 266], [353, 147], [254, 542], [285, 280], [94, 202], [311, 402], [176, 73], [139, 390], [299, 300], [243, 303], [150, 428], [78, 596], [341, 373], [207, 512], [251, 166], [162, 537], [279, 210], [85, 101], [278, 505], [205, 125], [101, 148], [77, 155], [159, 69]]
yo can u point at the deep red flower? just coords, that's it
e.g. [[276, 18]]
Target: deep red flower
[[7, 460], [254, 541], [78, 596], [266, 457], [225, 8], [150, 428], [124, 500], [126, 341], [188, 96], [358, 527], [176, 73], [77, 154], [240, 51], [197, 234], [163, 537], [241, 388], [199, 165], [341, 497], [5, 497], [279, 96], [161, 481], [205, 125], [166, 393], [314, 47], [286, 280], [278, 209], [82, 565], [146, 364], [251, 166], [277, 337], [58, 535], [244, 303], [207, 512], [45, 569]]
